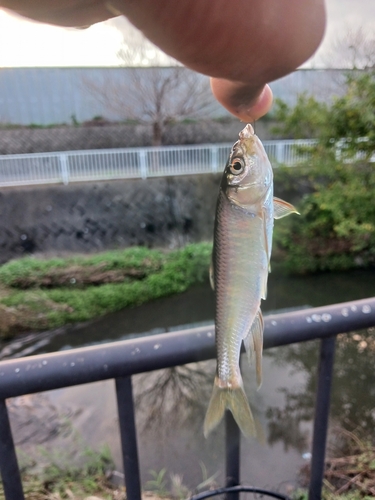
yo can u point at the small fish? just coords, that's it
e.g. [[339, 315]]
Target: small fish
[[240, 265]]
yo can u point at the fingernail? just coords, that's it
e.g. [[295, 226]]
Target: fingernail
[[258, 108]]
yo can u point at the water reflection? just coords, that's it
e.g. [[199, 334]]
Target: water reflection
[[177, 394], [170, 413], [353, 391]]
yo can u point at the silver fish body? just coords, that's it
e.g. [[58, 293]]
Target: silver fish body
[[240, 264]]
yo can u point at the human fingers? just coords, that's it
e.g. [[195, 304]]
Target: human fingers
[[72, 13], [242, 44], [242, 100], [231, 40]]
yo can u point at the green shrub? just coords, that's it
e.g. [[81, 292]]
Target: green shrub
[[336, 230]]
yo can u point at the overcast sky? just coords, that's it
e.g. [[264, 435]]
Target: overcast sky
[[341, 15], [27, 43]]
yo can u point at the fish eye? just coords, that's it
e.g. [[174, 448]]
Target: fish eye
[[236, 167]]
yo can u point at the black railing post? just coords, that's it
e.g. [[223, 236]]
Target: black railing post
[[232, 452], [323, 395], [10, 472], [125, 405]]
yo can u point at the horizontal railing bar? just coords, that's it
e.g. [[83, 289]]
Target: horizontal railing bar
[[119, 359], [104, 361], [152, 149], [318, 322], [115, 151]]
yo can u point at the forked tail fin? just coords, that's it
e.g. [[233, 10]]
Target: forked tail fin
[[233, 399]]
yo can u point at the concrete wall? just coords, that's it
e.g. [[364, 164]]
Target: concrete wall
[[90, 217]]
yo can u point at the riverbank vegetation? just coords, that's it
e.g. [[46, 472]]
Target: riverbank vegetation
[[93, 479], [350, 456], [336, 230], [349, 471], [64, 479], [39, 294], [86, 474], [349, 475]]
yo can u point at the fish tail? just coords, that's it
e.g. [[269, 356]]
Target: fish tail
[[234, 399]]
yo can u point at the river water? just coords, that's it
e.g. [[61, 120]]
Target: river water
[[171, 403]]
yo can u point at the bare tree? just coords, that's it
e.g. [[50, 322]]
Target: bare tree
[[179, 393], [355, 49], [150, 93]]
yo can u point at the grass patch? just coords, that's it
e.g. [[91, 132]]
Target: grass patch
[[61, 479], [45, 294], [30, 271]]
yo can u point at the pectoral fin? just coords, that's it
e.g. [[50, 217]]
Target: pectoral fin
[[254, 344], [282, 208]]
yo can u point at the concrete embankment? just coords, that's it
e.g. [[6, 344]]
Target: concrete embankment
[[88, 217]]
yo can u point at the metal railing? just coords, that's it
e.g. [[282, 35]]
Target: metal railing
[[130, 163], [121, 360]]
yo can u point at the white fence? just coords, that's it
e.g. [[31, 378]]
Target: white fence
[[130, 163]]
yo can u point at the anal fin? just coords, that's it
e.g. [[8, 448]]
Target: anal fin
[[254, 345]]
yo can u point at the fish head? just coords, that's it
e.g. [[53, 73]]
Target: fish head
[[248, 174]]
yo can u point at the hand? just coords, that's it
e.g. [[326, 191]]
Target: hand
[[241, 44]]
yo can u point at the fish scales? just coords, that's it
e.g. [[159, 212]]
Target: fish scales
[[240, 264], [238, 284]]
